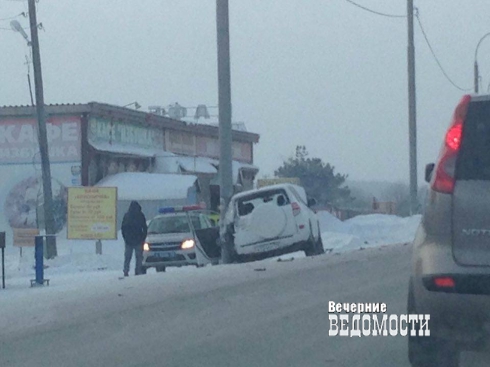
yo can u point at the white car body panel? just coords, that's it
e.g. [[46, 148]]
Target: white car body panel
[[270, 226]]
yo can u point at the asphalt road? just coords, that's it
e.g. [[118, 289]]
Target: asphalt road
[[258, 314]]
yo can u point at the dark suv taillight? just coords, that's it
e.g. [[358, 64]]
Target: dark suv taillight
[[443, 178]]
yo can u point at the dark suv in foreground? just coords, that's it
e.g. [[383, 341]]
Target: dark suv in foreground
[[450, 277]]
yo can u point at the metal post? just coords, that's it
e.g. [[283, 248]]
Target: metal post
[[412, 111], [3, 268], [224, 88], [30, 88], [98, 247], [42, 135], [2, 246], [38, 256], [475, 70], [477, 75]]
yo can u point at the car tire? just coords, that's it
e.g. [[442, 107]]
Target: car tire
[[319, 243], [311, 248], [429, 351], [229, 243], [160, 269]]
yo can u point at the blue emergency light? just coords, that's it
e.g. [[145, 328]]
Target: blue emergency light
[[166, 210]]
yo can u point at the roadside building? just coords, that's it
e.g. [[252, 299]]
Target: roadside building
[[89, 142]]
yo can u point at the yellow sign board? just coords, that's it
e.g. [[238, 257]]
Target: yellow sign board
[[92, 213], [277, 180]]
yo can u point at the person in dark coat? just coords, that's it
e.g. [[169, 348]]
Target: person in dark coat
[[134, 231]]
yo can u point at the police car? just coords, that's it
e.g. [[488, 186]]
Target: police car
[[181, 236]]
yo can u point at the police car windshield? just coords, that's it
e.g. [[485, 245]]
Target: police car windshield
[[169, 224]]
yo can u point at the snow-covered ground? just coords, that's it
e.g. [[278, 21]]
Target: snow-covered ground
[[83, 283], [366, 231], [78, 257]]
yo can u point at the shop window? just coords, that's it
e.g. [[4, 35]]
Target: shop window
[[132, 166]]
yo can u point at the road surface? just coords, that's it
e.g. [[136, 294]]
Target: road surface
[[266, 313]]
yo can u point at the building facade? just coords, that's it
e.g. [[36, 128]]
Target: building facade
[[88, 142]]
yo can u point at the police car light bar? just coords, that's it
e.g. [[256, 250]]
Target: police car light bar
[[177, 209]]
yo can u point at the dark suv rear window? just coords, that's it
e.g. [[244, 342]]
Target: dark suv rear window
[[474, 157]]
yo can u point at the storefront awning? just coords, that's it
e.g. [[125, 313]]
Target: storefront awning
[[123, 150]]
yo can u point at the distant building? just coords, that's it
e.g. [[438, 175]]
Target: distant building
[[88, 142], [384, 207]]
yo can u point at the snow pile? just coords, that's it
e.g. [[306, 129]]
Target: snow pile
[[384, 229], [330, 223], [74, 256], [79, 256], [167, 162], [366, 231], [149, 186], [341, 241]]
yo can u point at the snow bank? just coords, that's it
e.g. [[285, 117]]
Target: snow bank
[[167, 162], [366, 231], [330, 223], [75, 257], [149, 186], [341, 242], [384, 229], [362, 232]]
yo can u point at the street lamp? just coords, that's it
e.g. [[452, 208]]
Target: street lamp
[[16, 27], [476, 72]]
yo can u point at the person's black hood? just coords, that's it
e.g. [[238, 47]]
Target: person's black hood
[[134, 207]]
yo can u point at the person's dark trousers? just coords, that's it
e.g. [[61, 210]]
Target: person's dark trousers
[[128, 253]]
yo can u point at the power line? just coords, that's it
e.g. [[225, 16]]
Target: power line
[[436, 58], [23, 14], [16, 16], [374, 11], [9, 18], [25, 28], [423, 33]]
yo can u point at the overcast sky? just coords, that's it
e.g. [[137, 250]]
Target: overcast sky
[[320, 73]]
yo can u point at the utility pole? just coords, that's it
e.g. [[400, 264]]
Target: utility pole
[[412, 111], [476, 76], [476, 72], [224, 91], [51, 251]]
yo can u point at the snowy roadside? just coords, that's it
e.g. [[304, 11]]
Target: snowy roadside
[[84, 284], [78, 298], [366, 231], [78, 257]]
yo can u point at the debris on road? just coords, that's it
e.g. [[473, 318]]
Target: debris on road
[[285, 260]]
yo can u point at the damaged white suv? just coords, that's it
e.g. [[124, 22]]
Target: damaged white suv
[[271, 221]]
